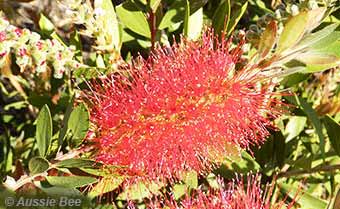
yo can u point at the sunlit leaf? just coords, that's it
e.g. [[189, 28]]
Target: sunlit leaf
[[134, 19]]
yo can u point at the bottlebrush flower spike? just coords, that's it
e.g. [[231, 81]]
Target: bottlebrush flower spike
[[235, 195], [181, 109]]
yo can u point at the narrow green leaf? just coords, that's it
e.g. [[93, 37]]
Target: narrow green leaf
[[313, 117], [37, 165], [221, 18], [70, 181], [268, 39], [333, 131], [63, 131], [43, 132], [306, 200], [133, 18], [235, 18], [105, 185], [78, 125], [75, 163], [186, 18]]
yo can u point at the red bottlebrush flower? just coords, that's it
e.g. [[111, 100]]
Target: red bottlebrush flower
[[182, 109], [235, 195]]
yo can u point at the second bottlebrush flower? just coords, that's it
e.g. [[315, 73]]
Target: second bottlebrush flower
[[183, 109]]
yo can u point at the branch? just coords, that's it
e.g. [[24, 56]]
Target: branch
[[322, 168]]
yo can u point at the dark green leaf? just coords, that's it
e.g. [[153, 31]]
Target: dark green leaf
[[333, 131], [78, 125], [43, 132], [221, 18], [38, 165], [64, 129], [174, 15], [313, 117], [70, 181], [134, 19]]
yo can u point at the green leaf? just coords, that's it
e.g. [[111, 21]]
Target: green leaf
[[46, 26], [174, 15], [64, 129], [106, 171], [176, 12], [195, 25], [43, 132], [294, 127], [70, 181], [292, 32], [306, 200], [56, 191], [78, 125], [333, 131], [190, 179], [235, 18], [186, 18], [268, 39], [154, 5], [237, 164], [221, 18], [294, 79], [75, 163], [323, 35], [133, 18], [105, 185], [37, 165], [313, 117], [179, 190]]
